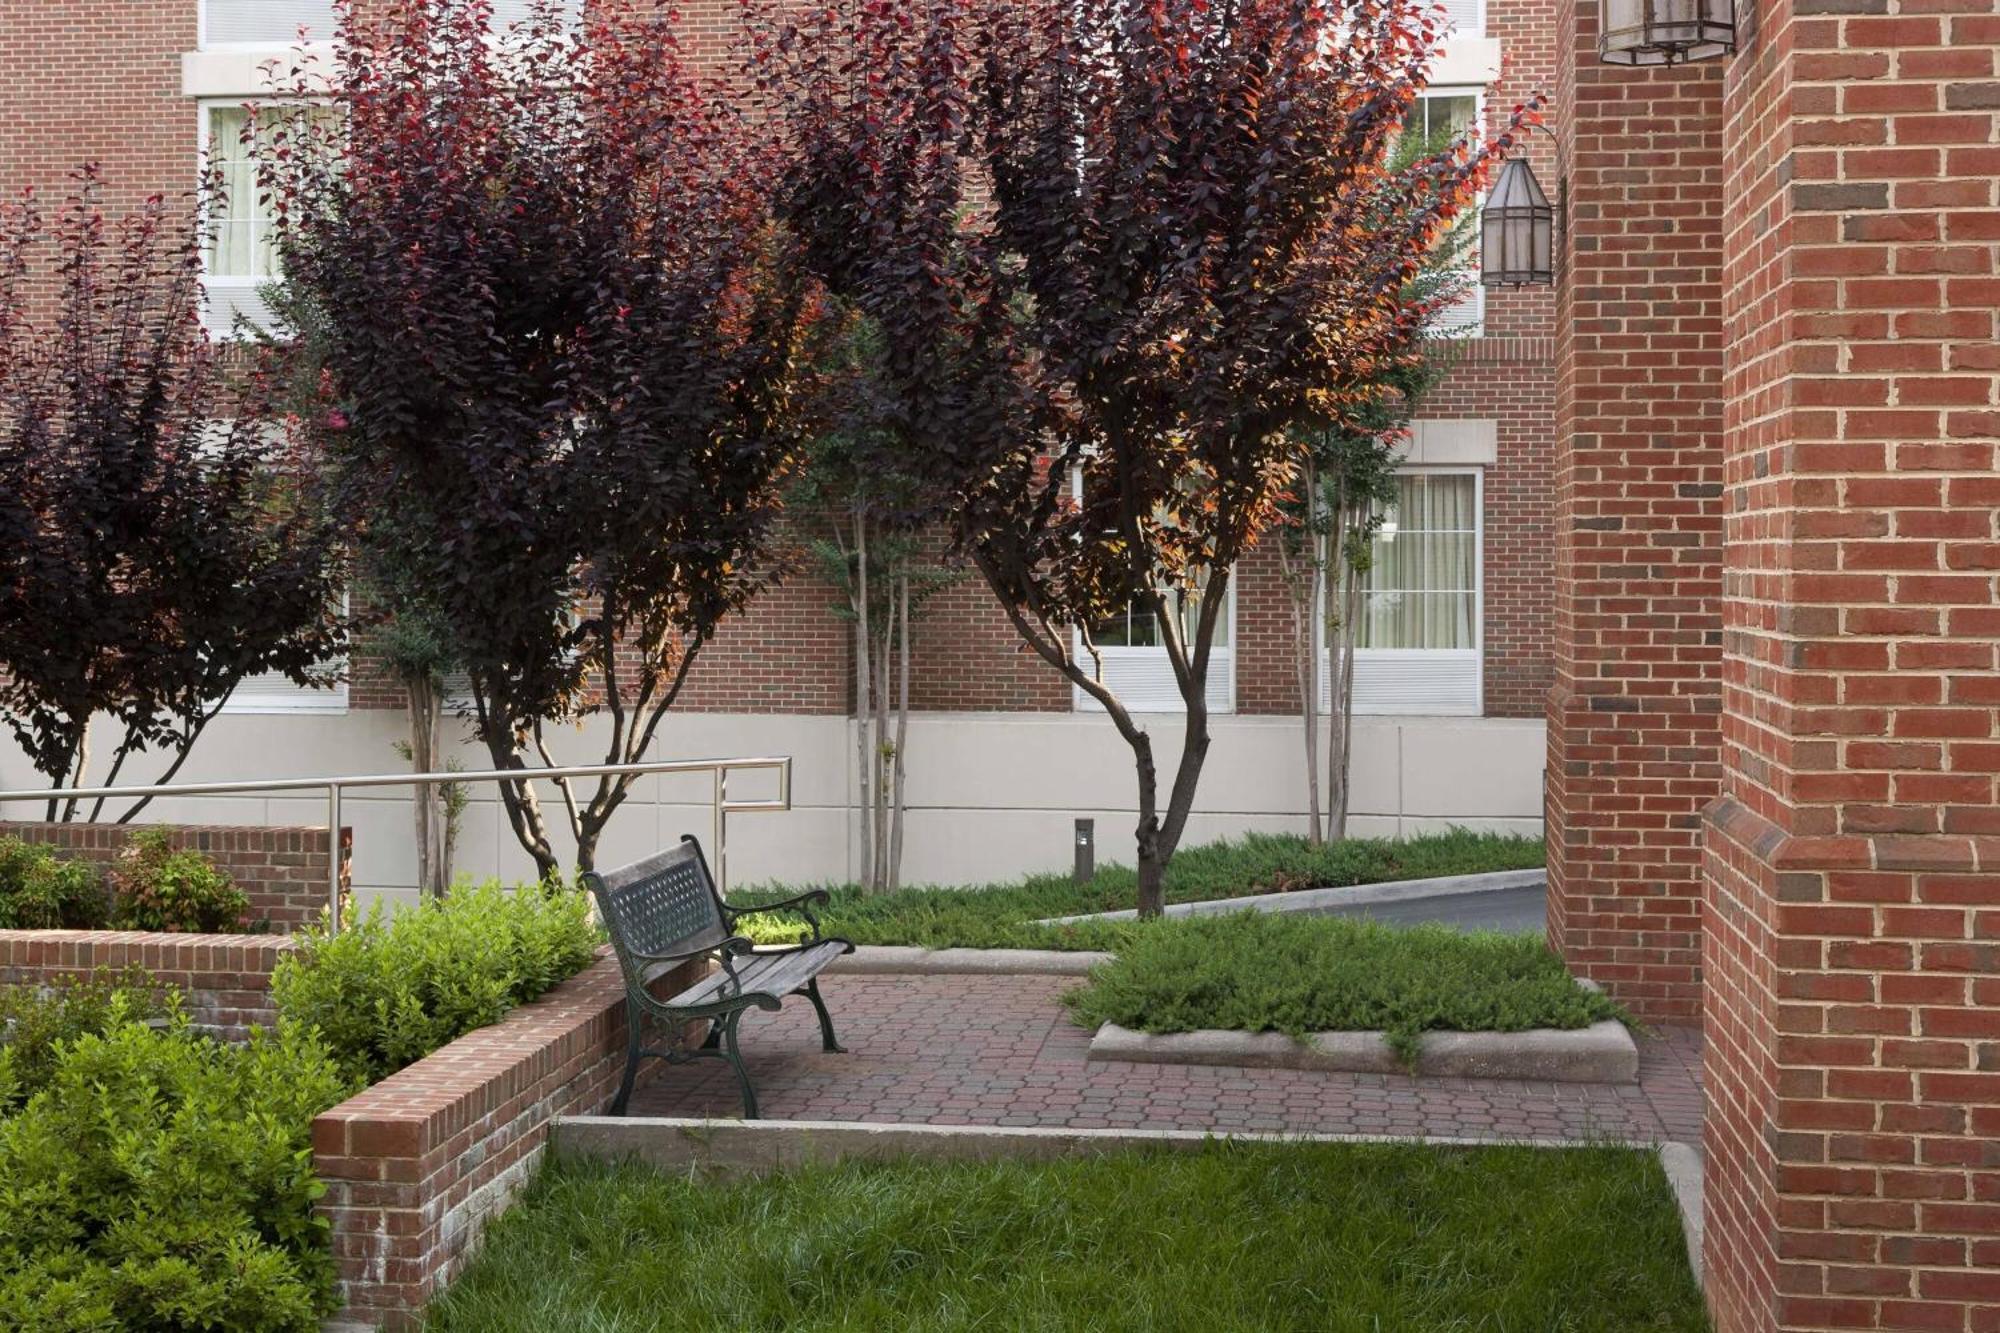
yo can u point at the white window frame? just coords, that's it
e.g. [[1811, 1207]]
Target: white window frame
[[1478, 28], [238, 293], [203, 44], [1388, 660], [1472, 322], [299, 699], [1143, 678]]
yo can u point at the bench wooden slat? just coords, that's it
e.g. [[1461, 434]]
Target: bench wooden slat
[[774, 974]]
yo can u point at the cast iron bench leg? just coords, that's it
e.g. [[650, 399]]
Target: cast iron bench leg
[[736, 1061], [635, 1024], [825, 1019]]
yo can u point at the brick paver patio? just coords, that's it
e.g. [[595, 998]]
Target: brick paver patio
[[1000, 1050]]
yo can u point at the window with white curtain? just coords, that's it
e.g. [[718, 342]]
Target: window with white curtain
[[1419, 642], [240, 253]]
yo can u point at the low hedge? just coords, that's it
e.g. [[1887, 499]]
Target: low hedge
[[1003, 916], [159, 1179], [38, 1024], [394, 986], [152, 886], [1270, 972]]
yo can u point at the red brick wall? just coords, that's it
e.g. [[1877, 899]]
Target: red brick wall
[[285, 871], [1632, 715], [227, 977], [419, 1163], [1853, 1059]]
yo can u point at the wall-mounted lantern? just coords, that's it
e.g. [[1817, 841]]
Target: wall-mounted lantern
[[1665, 32], [1517, 230]]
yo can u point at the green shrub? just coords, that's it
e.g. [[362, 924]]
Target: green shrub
[[392, 988], [36, 1021], [164, 1181], [157, 888], [40, 891], [1266, 972]]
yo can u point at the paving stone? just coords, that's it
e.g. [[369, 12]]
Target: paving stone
[[1000, 1049]]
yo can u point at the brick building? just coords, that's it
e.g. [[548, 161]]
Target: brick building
[[1003, 757], [1736, 494]]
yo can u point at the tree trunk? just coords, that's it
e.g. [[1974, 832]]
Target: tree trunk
[[1152, 865], [881, 757], [1346, 583], [902, 727], [864, 689], [428, 802]]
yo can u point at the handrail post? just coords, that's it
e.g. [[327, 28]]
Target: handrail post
[[333, 855], [721, 838]]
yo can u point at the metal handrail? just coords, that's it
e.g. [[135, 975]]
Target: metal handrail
[[720, 804]]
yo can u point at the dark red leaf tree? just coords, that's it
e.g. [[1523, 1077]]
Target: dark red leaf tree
[[557, 335], [161, 535], [1120, 251]]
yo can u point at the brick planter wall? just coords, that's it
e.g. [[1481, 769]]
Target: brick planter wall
[[227, 977], [284, 870], [417, 1165]]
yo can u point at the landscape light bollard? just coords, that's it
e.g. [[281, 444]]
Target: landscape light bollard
[[1086, 850]]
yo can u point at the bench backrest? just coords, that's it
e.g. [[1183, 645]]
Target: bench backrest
[[665, 904]]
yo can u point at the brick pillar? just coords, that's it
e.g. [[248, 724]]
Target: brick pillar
[[1853, 945], [1632, 715]]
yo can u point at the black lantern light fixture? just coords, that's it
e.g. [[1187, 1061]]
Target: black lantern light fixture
[[1665, 32], [1517, 230]]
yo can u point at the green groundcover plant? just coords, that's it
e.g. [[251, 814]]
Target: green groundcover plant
[[1266, 972], [1002, 916], [394, 986], [159, 1179], [1332, 1238]]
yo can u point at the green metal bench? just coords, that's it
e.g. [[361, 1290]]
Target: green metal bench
[[662, 913]]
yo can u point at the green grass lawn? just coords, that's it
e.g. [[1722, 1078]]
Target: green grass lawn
[[999, 916], [1258, 972], [1331, 1238]]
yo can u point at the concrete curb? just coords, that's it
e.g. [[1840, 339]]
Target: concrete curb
[[1683, 1167], [896, 959], [1601, 1053], [1319, 900], [751, 1146]]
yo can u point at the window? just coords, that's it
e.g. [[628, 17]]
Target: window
[[1136, 666], [1449, 112], [240, 252], [264, 23], [1135, 661], [1466, 17], [1418, 646], [274, 692]]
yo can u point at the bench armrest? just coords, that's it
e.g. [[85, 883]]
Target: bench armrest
[[802, 904]]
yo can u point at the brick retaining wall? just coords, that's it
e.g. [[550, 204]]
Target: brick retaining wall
[[227, 977], [416, 1165], [284, 870]]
